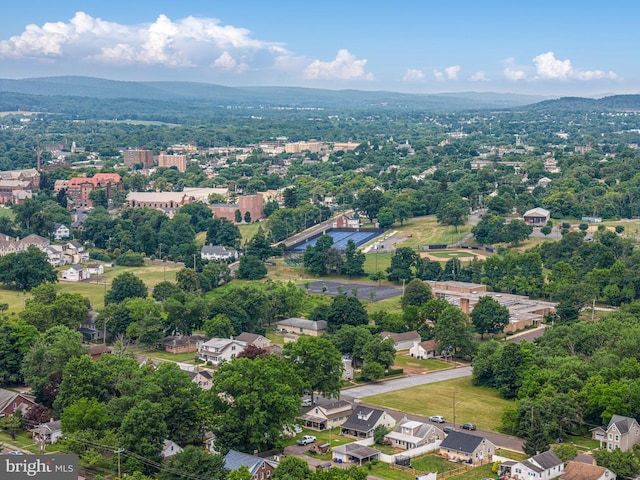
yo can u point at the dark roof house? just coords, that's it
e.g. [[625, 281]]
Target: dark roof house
[[364, 420]]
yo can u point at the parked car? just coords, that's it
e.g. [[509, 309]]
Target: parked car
[[449, 429], [436, 418], [306, 402], [306, 440], [468, 426]]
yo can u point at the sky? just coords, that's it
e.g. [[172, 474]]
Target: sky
[[553, 48]]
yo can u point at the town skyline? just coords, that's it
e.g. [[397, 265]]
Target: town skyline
[[545, 49]]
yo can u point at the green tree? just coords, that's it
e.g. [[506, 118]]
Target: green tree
[[290, 197], [535, 439], [292, 468], [50, 352], [624, 464], [401, 262], [125, 285], [416, 293], [346, 310], [516, 231], [194, 461], [319, 364], [370, 201], [452, 332], [241, 473], [12, 424], [385, 217], [379, 350], [564, 451], [243, 390], [237, 216], [259, 246], [218, 327], [488, 316], [16, 338], [142, 431], [454, 213], [354, 260], [99, 198], [351, 340], [147, 327], [85, 414], [187, 280], [247, 217], [372, 371], [251, 268], [164, 290], [26, 270]]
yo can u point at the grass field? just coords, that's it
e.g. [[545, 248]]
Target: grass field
[[427, 230], [450, 254], [248, 231], [479, 405], [94, 291], [406, 362]]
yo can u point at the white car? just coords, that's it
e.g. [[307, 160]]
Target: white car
[[306, 440], [306, 402], [436, 418]]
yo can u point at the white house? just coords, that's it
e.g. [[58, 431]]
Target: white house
[[424, 350], [60, 231], [55, 255], [95, 268], [48, 432], [410, 434], [543, 466], [218, 349], [76, 273], [75, 253], [402, 341], [170, 448], [217, 253]]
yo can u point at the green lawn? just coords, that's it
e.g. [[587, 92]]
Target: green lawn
[[476, 474], [480, 405], [405, 361], [248, 231], [427, 230], [517, 456], [432, 463], [188, 357], [377, 260], [447, 255]]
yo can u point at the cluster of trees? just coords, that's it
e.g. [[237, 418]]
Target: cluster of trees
[[574, 378], [323, 258], [493, 229]]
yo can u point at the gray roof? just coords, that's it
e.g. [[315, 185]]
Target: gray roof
[[546, 460], [234, 460], [363, 419], [7, 396], [623, 424], [461, 442], [217, 250], [248, 337], [356, 450], [304, 323], [401, 337]]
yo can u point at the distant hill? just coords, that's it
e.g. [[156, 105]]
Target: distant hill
[[613, 103], [294, 97]]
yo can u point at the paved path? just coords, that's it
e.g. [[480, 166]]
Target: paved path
[[404, 382]]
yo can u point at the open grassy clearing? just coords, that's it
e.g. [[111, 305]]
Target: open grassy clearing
[[248, 230], [427, 230], [405, 361], [446, 255], [479, 405]]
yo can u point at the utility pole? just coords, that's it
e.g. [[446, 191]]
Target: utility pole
[[593, 309], [194, 262], [118, 451]]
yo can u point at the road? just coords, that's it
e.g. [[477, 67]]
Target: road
[[404, 382]]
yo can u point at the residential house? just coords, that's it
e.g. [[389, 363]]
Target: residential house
[[463, 447], [55, 255], [48, 432], [303, 326], [218, 349], [364, 420], [96, 351], [424, 350], [346, 221], [410, 434], [76, 273], [621, 432], [218, 253], [347, 368], [16, 245], [89, 328], [10, 402], [60, 231], [202, 378], [183, 343], [537, 216], [259, 468], [75, 253], [543, 466], [584, 471], [254, 339], [354, 452], [323, 417], [402, 341], [95, 269], [170, 448]]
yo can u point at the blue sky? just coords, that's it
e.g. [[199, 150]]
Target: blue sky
[[422, 46]]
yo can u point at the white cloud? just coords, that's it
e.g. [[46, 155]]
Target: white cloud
[[548, 67], [189, 41], [344, 67], [452, 72], [413, 75], [228, 63], [478, 77], [439, 75]]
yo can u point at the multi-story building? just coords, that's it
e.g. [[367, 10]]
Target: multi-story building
[[168, 161], [138, 156], [246, 203], [79, 188], [16, 185]]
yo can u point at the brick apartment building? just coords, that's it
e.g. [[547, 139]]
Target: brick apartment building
[[246, 203], [138, 156], [79, 188], [168, 161]]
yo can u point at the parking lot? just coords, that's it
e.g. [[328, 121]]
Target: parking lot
[[363, 290]]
